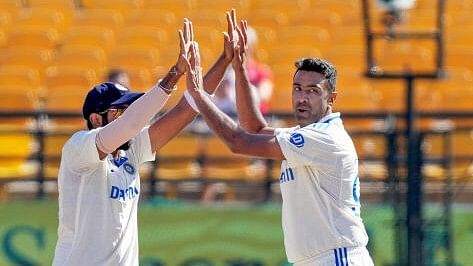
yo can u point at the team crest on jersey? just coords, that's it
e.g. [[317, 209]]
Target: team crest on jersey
[[129, 168], [297, 139]]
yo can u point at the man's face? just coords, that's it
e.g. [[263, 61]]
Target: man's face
[[311, 98]]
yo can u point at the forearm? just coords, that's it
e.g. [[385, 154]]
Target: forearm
[[220, 123], [249, 115], [137, 115], [215, 74]]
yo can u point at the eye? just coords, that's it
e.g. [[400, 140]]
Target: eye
[[297, 88]]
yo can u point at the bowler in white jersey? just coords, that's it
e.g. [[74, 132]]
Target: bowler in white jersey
[[319, 172], [99, 184]]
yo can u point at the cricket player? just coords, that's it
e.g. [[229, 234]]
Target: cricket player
[[99, 184], [319, 171]]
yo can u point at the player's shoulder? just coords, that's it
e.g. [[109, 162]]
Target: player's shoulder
[[80, 138]]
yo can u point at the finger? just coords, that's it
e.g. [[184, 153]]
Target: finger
[[191, 30], [226, 37], [181, 42], [186, 30], [243, 31], [241, 38], [234, 21], [230, 26], [197, 54]]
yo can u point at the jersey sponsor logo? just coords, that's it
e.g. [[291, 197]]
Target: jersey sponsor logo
[[129, 168], [297, 140], [286, 175], [123, 194]]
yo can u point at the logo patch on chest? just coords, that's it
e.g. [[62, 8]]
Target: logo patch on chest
[[297, 139], [129, 168]]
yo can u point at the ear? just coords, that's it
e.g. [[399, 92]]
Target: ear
[[96, 120], [332, 97]]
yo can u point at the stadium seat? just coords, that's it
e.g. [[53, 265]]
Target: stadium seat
[[208, 18], [267, 18], [282, 55], [60, 76], [32, 36], [27, 57], [63, 5], [290, 8], [143, 36], [310, 36], [19, 75], [65, 98], [11, 6], [180, 8], [18, 98], [141, 79], [53, 143], [122, 6], [5, 19], [17, 148], [323, 18], [135, 56], [81, 56], [155, 18], [42, 17], [91, 36], [459, 57], [105, 18], [222, 6]]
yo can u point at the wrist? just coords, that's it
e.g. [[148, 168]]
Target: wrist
[[227, 60]]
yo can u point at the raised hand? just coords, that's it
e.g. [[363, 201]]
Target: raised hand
[[230, 38], [241, 48], [195, 81], [186, 37]]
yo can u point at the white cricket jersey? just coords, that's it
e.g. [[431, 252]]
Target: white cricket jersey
[[320, 189], [98, 202]]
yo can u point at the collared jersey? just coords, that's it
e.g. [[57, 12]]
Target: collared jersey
[[98, 202], [320, 189]]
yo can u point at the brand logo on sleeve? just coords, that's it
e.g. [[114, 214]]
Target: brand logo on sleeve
[[297, 140], [286, 175]]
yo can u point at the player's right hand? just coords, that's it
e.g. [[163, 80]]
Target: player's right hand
[[230, 38]]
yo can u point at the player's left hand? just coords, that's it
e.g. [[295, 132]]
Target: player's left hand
[[186, 37]]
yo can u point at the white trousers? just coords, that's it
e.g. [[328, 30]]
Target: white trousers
[[354, 256]]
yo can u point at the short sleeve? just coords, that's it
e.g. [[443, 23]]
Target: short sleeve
[[80, 151], [307, 146], [141, 147]]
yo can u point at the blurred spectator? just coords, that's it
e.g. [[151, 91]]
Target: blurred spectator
[[260, 75], [119, 76]]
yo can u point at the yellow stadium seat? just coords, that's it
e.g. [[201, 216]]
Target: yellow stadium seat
[[347, 56], [322, 18], [32, 36], [19, 75], [3, 38], [11, 6], [156, 18], [17, 150], [180, 8], [221, 164], [460, 57], [304, 35], [20, 99], [5, 19], [141, 79], [341, 7], [134, 56], [222, 6], [123, 6], [63, 5], [92, 36], [284, 55], [42, 17], [352, 35], [28, 57], [208, 18], [290, 8], [104, 18], [81, 56], [267, 18], [65, 98], [281, 101], [143, 36], [59, 76], [53, 143]]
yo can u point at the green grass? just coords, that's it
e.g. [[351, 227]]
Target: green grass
[[177, 233]]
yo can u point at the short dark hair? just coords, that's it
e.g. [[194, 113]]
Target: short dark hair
[[320, 66]]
